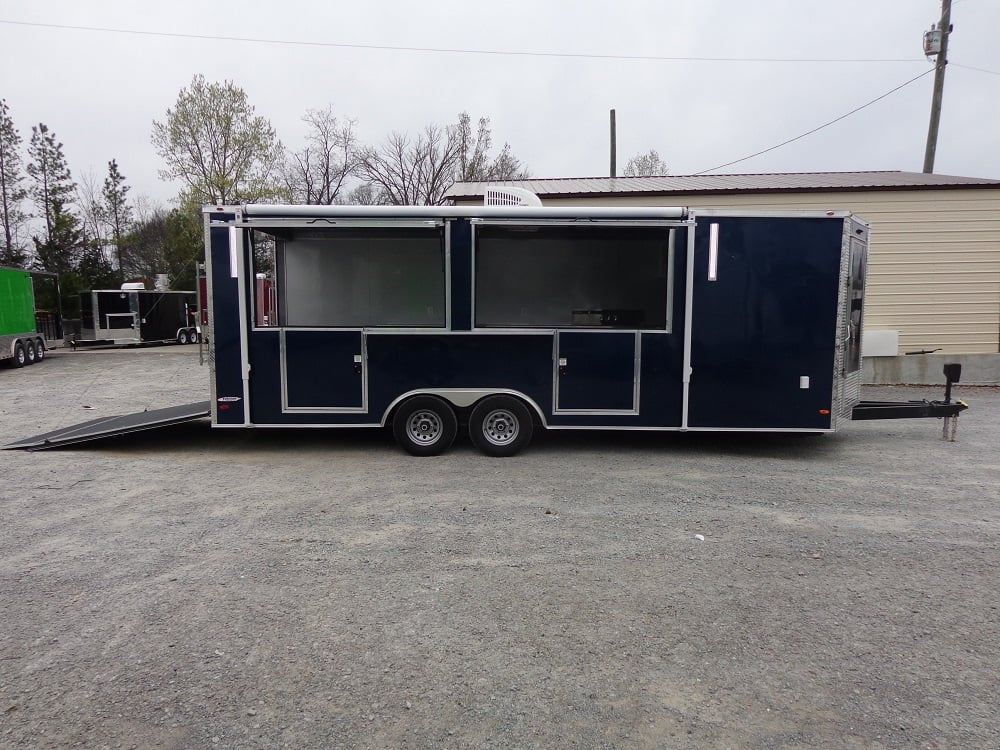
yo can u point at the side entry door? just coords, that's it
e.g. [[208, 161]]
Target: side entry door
[[764, 322], [596, 372], [322, 370]]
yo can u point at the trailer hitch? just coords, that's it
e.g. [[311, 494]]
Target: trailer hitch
[[947, 409]]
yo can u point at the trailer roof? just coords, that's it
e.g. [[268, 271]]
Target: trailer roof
[[264, 211], [666, 185]]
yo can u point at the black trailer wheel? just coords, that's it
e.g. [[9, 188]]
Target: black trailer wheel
[[425, 426], [39, 350], [500, 426], [193, 336], [20, 357], [182, 337], [29, 352]]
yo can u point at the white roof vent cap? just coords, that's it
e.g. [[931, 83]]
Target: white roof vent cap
[[498, 195]]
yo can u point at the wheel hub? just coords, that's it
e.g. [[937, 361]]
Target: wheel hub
[[424, 427], [500, 427]]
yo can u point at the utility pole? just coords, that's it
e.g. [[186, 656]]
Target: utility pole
[[942, 60], [614, 146]]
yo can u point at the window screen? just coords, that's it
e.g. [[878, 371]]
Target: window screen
[[361, 277], [559, 276]]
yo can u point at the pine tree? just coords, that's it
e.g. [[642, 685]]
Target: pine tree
[[116, 209], [12, 193], [52, 191]]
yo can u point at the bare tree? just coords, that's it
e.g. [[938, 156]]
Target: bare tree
[[91, 207], [13, 251], [317, 174], [646, 165], [420, 170], [411, 171], [474, 161]]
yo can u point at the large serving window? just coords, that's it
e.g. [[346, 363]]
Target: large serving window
[[573, 276], [360, 277]]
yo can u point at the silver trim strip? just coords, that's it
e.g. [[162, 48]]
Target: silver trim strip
[[517, 213], [579, 221], [262, 225], [601, 428], [447, 275], [688, 327], [754, 213], [671, 247], [286, 425], [642, 428], [241, 281], [213, 393], [463, 398]]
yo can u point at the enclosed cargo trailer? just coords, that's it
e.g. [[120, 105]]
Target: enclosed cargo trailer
[[22, 338], [124, 317]]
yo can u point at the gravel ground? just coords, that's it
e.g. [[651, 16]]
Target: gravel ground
[[191, 588]]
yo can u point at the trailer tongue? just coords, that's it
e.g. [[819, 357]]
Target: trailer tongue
[[946, 409]]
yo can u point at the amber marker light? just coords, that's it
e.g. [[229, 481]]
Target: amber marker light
[[824, 412]]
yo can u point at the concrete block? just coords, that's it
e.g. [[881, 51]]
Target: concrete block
[[928, 369]]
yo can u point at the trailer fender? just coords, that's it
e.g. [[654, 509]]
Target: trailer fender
[[463, 398]]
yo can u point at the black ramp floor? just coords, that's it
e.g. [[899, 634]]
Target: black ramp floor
[[111, 426]]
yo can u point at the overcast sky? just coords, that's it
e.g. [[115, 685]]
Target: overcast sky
[[100, 91]]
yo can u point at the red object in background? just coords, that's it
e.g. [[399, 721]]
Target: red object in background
[[264, 301], [203, 299]]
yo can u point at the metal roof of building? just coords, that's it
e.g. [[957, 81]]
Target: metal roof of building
[[729, 183]]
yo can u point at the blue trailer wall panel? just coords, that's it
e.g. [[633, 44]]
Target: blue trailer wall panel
[[226, 333], [764, 344], [769, 319], [461, 275]]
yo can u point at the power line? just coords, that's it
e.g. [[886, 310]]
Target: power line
[[969, 67], [451, 50], [825, 125]]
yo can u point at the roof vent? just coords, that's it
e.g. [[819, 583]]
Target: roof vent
[[510, 196]]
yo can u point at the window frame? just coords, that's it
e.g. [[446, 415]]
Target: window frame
[[440, 226], [671, 225]]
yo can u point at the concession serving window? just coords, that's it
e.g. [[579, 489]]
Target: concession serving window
[[565, 276], [357, 277]]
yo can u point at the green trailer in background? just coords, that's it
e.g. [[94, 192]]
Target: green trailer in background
[[21, 343]]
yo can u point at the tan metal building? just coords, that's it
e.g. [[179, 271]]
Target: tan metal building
[[934, 262]]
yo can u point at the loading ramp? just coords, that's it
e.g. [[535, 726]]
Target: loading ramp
[[106, 427]]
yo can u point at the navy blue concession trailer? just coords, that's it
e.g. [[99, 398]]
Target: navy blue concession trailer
[[511, 319]]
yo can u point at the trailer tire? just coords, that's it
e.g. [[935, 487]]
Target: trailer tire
[[29, 352], [500, 426], [182, 337], [193, 336], [39, 350], [20, 357], [425, 426]]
